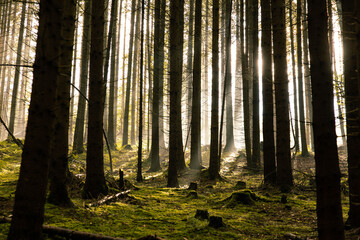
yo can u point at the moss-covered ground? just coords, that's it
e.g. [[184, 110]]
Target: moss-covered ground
[[257, 212]]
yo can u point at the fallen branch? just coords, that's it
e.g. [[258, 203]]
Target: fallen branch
[[17, 141], [68, 234], [111, 198]]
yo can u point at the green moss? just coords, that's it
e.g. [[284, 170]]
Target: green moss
[[253, 213]]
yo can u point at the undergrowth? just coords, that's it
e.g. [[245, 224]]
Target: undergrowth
[[170, 213]]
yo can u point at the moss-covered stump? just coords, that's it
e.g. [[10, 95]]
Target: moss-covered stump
[[192, 194], [202, 214], [216, 222], [193, 186], [246, 197]]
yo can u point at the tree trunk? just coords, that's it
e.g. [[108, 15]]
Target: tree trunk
[[176, 154], [111, 118], [284, 170], [95, 179], [72, 96], [32, 183], [268, 101], [125, 139], [304, 149], [308, 97], [59, 156], [195, 158], [158, 78], [78, 145], [189, 67], [214, 141], [134, 80], [256, 110], [238, 79], [17, 71], [329, 212], [292, 47], [352, 110], [230, 143], [205, 125], [246, 88], [139, 177]]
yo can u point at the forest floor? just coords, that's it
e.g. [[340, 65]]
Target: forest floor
[[150, 208]]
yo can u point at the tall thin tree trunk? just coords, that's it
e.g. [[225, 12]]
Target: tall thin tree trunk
[[125, 139], [308, 97], [293, 64], [230, 142], [72, 94], [245, 78], [238, 78], [95, 178], [304, 149], [17, 71], [139, 177], [268, 100], [176, 154], [195, 158], [329, 212], [352, 102], [189, 66], [159, 33], [111, 118], [284, 169], [205, 125], [135, 72], [59, 155], [78, 145], [256, 107], [214, 142]]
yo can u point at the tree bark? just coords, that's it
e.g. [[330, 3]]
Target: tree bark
[[32, 183], [352, 102], [59, 156], [304, 149], [176, 154], [284, 170], [268, 101], [195, 158], [125, 139], [246, 83], [78, 145], [329, 212], [158, 78], [230, 142], [17, 71], [256, 111], [214, 141], [95, 179]]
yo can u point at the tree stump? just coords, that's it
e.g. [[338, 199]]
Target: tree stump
[[216, 222], [121, 180], [202, 214], [193, 186], [192, 194], [283, 199]]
